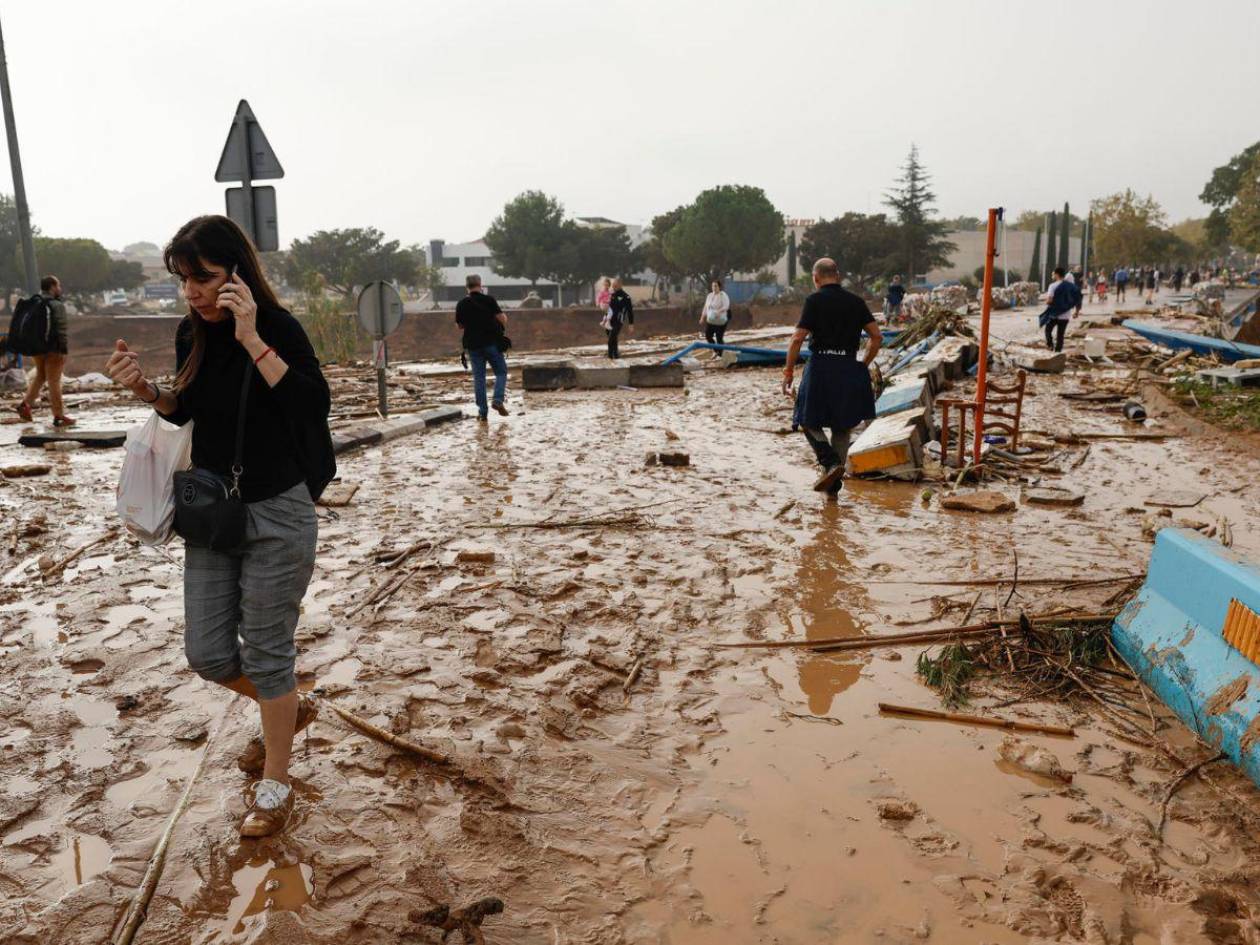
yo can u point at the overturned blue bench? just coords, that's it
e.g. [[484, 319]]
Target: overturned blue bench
[[1193, 634]]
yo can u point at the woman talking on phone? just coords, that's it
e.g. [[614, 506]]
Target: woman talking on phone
[[247, 377]]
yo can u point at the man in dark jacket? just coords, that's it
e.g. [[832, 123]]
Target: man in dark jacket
[[620, 312], [1062, 298], [484, 325], [893, 298]]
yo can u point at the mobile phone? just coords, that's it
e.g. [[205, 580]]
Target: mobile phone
[[231, 276]]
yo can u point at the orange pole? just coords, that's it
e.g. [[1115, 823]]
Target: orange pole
[[986, 306]]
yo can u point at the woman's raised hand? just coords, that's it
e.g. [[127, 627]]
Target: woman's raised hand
[[123, 367], [235, 296]]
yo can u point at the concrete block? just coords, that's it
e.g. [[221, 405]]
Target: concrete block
[[931, 371], [1193, 634], [1049, 364], [440, 415], [657, 375], [594, 378], [548, 377], [891, 445], [395, 427], [910, 394], [353, 438], [954, 354], [1232, 376]]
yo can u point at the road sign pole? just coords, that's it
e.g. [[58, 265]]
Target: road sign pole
[[19, 185], [382, 355], [247, 173]]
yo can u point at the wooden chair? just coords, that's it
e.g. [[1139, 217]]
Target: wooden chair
[[1003, 408]]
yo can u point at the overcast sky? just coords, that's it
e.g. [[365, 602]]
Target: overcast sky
[[423, 118]]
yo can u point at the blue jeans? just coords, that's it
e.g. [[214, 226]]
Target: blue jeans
[[479, 357]]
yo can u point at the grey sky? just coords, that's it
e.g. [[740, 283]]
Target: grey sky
[[423, 118]]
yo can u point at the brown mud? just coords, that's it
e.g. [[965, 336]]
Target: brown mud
[[725, 796]]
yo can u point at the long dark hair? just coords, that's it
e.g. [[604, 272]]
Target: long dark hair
[[213, 239]]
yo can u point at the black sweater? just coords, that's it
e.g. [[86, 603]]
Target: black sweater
[[622, 308], [273, 415]]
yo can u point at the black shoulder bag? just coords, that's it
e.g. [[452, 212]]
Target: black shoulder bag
[[209, 512]]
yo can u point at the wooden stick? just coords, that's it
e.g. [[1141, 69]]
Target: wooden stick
[[634, 675], [144, 894], [914, 636], [1177, 782], [74, 555], [991, 582], [989, 720], [406, 744]]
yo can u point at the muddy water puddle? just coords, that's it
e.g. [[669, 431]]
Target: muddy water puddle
[[74, 858], [262, 886]]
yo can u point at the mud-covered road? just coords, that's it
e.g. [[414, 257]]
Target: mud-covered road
[[723, 796]]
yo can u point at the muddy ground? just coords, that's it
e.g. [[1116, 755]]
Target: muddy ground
[[728, 796]]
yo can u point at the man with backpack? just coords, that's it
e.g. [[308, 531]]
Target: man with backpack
[[39, 330]]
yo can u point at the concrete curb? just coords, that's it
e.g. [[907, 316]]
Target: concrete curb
[[385, 430]]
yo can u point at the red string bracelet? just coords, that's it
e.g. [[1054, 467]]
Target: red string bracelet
[[264, 354]]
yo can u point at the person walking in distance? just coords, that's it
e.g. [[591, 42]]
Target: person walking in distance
[[1061, 299], [484, 325], [249, 380], [51, 365], [1121, 281], [716, 313], [620, 313], [835, 392], [1151, 280], [893, 298]]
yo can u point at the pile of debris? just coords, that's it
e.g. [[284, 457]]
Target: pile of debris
[[947, 296], [1013, 296]]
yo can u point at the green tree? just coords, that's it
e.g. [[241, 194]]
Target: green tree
[[997, 274], [12, 275], [1051, 242], [1030, 221], [1221, 190], [83, 265], [1034, 268], [1065, 236], [125, 275], [588, 252], [965, 223], [347, 258], [527, 238], [923, 242], [731, 228], [866, 246], [654, 257], [1129, 228], [1244, 215]]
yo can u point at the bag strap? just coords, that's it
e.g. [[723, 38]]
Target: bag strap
[[239, 452]]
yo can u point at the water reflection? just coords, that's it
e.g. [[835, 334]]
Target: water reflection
[[824, 594]]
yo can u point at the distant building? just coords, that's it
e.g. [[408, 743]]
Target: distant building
[[457, 261], [969, 256]]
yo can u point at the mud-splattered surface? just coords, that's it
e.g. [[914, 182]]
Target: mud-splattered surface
[[727, 796]]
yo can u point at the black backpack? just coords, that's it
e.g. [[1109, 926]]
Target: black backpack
[[31, 330]]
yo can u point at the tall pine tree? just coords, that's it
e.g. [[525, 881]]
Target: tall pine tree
[[923, 242], [1065, 235], [1051, 248], [1034, 268]]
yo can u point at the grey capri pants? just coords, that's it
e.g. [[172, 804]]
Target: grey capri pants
[[241, 607]]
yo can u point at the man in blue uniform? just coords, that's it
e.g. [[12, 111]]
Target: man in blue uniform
[[835, 391]]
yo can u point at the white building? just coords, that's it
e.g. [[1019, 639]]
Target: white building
[[457, 261]]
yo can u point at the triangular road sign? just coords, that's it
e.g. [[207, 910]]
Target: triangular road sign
[[263, 163]]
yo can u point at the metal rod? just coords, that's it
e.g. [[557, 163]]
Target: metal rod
[[247, 182], [29, 267], [381, 404], [986, 306]]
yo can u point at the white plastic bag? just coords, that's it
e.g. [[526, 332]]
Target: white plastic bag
[[156, 450]]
